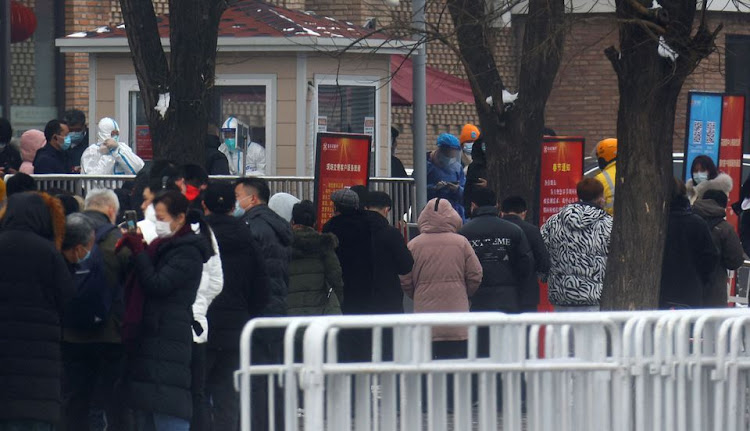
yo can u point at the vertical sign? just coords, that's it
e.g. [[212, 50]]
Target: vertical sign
[[322, 124], [704, 126], [561, 170], [143, 145], [343, 161], [730, 156]]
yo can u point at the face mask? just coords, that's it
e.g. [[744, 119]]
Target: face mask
[[467, 148], [444, 160], [85, 258], [75, 137], [163, 230], [231, 143], [66, 143], [2, 146], [238, 210], [484, 147], [150, 214], [699, 177]]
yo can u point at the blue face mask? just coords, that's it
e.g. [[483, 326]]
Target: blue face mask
[[75, 137], [484, 147], [238, 210], [231, 143], [444, 160], [85, 258], [467, 148], [66, 143]]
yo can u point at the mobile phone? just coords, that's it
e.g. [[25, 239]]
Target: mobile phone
[[131, 221]]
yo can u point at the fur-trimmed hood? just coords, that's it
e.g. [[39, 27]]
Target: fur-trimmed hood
[[308, 242], [36, 212], [722, 182]]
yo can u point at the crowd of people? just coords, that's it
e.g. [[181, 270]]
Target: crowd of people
[[122, 310]]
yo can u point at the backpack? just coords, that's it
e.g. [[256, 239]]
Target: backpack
[[92, 302]]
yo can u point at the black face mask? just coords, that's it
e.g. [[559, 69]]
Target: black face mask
[[602, 163]]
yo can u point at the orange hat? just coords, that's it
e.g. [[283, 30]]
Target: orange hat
[[469, 133], [607, 149]]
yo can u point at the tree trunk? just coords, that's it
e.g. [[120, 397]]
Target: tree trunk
[[513, 134], [179, 134], [649, 86]]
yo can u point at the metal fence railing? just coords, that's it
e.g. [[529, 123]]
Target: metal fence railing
[[620, 371], [401, 190]]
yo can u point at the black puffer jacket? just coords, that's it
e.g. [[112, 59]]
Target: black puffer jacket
[[506, 260], [690, 257], [246, 290], [34, 285], [274, 236], [216, 162], [159, 373], [355, 255], [391, 258], [530, 293]]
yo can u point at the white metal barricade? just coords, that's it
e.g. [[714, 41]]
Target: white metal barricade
[[622, 371]]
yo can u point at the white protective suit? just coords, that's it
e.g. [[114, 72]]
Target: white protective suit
[[212, 278], [120, 161], [255, 163]]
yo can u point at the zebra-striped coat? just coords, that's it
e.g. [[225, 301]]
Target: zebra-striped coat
[[577, 239]]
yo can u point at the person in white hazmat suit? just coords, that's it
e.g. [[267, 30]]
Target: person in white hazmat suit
[[108, 156], [255, 162]]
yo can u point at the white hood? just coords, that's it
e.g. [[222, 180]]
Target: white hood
[[105, 128]]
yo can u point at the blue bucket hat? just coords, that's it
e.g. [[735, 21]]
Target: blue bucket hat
[[448, 140]]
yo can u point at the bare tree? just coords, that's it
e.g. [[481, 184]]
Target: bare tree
[[187, 78], [513, 133], [658, 50]]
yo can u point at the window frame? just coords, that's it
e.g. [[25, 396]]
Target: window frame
[[125, 84], [346, 81]]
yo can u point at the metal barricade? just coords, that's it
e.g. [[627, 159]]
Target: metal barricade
[[401, 190], [621, 371]]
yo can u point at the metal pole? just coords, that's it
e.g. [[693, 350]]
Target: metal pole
[[5, 58], [419, 106]]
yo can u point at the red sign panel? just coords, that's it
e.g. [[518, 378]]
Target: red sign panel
[[730, 152], [561, 170], [343, 161], [143, 146]]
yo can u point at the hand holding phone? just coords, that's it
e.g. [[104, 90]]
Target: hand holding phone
[[131, 221]]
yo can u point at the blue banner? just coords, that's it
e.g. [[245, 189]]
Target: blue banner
[[704, 128]]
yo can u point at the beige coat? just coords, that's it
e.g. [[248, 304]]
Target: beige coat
[[446, 271]]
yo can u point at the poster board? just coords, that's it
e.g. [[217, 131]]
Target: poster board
[[342, 161], [561, 169]]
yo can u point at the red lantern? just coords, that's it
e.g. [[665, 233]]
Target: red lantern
[[22, 22]]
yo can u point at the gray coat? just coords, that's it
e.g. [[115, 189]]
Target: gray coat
[[727, 242]]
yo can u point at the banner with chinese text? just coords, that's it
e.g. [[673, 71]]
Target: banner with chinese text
[[730, 153], [143, 146], [343, 161], [561, 170], [704, 125]]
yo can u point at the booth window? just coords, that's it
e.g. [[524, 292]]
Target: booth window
[[247, 103], [347, 108]]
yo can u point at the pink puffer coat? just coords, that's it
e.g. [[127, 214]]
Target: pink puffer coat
[[446, 271]]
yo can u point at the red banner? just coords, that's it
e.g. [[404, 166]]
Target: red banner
[[561, 170], [730, 152], [343, 161], [143, 147]]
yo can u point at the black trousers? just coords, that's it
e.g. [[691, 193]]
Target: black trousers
[[222, 400], [92, 374], [200, 420], [267, 348]]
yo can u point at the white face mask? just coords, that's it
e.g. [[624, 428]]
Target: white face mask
[[150, 214], [699, 177], [163, 230]]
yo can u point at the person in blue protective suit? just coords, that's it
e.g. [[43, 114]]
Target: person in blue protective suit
[[445, 176], [108, 156]]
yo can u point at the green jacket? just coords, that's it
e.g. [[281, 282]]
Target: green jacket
[[314, 269]]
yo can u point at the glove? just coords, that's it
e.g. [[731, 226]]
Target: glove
[[132, 241], [111, 144]]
